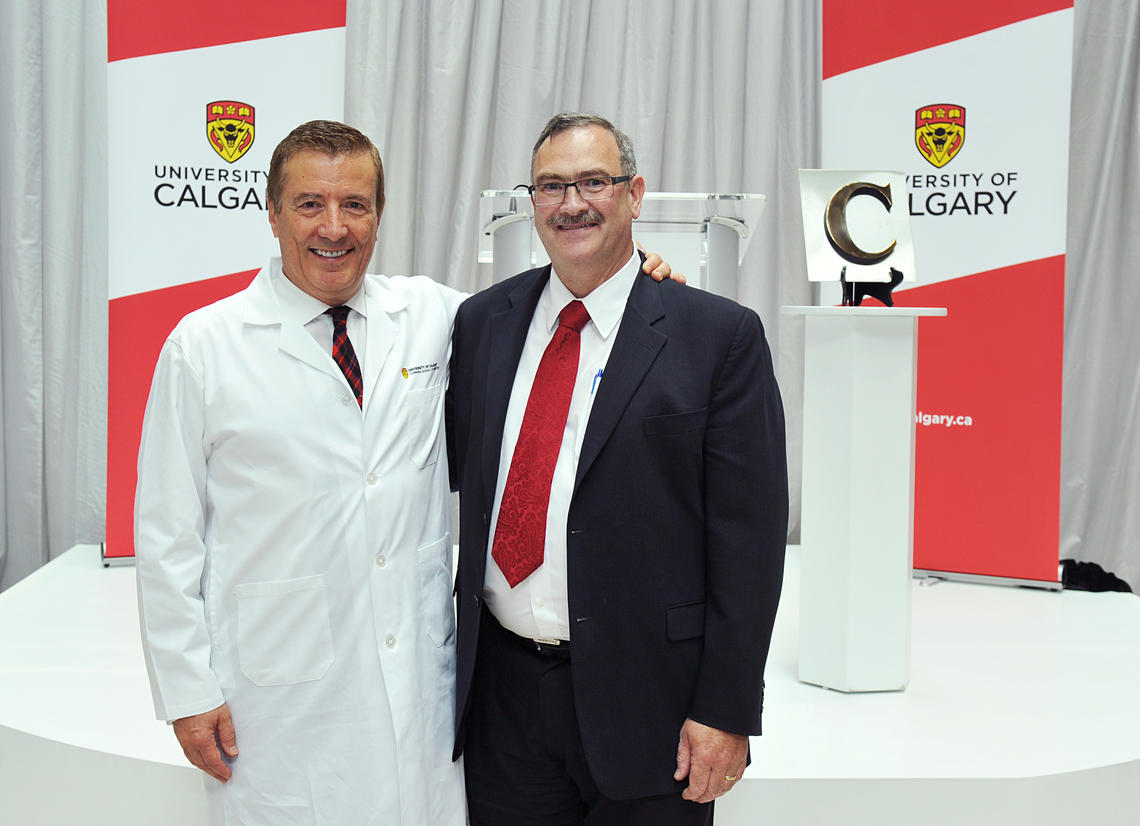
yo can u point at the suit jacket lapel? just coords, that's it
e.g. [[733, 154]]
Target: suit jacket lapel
[[507, 335], [634, 351]]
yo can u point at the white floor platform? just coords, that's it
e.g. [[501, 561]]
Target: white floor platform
[[1022, 709]]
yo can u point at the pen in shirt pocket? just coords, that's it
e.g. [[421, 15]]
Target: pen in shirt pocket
[[594, 385]]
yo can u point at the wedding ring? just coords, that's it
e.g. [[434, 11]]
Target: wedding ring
[[730, 777]]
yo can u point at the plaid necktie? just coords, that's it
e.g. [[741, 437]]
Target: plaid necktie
[[520, 534], [343, 354]]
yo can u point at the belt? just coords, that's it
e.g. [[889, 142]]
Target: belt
[[545, 647]]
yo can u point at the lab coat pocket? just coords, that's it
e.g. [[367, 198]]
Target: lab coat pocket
[[283, 633], [434, 561], [423, 424]]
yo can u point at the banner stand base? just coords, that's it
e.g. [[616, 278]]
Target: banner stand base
[[114, 561], [930, 578]]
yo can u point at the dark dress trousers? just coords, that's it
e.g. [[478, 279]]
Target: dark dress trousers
[[677, 523]]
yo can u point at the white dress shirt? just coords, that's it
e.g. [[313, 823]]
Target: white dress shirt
[[297, 305], [537, 607]]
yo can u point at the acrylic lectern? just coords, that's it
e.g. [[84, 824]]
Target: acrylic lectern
[[702, 235]]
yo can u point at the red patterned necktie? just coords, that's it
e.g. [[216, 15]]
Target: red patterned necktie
[[520, 534], [343, 354]]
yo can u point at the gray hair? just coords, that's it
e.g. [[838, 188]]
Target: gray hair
[[578, 120]]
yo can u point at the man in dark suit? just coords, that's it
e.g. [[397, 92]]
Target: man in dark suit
[[618, 446]]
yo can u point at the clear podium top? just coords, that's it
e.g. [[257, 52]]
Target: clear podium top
[[674, 212]]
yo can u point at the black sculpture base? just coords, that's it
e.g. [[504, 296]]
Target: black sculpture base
[[855, 291]]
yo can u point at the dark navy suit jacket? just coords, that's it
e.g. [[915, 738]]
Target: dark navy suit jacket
[[677, 524]]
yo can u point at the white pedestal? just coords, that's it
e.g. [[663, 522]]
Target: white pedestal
[[858, 495]]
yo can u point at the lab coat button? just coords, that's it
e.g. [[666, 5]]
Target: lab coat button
[[370, 478], [381, 560], [390, 641], [346, 399]]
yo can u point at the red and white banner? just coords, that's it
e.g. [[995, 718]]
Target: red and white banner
[[971, 101], [198, 97]]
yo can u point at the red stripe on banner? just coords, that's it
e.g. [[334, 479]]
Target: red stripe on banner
[[987, 492], [138, 327], [857, 34], [143, 27]]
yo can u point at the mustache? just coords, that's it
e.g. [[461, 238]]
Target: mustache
[[589, 217]]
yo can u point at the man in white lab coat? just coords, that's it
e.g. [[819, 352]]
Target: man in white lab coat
[[292, 524], [294, 536]]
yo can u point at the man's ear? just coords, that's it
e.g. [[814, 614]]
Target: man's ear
[[273, 219], [636, 193]]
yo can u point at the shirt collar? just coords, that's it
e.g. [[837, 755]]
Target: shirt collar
[[605, 303], [300, 307]]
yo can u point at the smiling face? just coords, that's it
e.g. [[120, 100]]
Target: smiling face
[[327, 222], [587, 241]]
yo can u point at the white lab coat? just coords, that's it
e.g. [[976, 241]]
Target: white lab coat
[[294, 557]]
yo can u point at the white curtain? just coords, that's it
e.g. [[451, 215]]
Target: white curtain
[[1100, 447], [718, 96], [53, 294]]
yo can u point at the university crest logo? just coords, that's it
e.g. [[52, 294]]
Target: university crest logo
[[229, 128], [939, 132]]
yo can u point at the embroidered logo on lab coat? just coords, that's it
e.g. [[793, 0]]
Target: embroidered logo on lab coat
[[423, 368]]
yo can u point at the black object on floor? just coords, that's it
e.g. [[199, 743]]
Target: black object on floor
[[1088, 576]]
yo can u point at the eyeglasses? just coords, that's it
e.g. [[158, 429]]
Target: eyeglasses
[[597, 188]]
